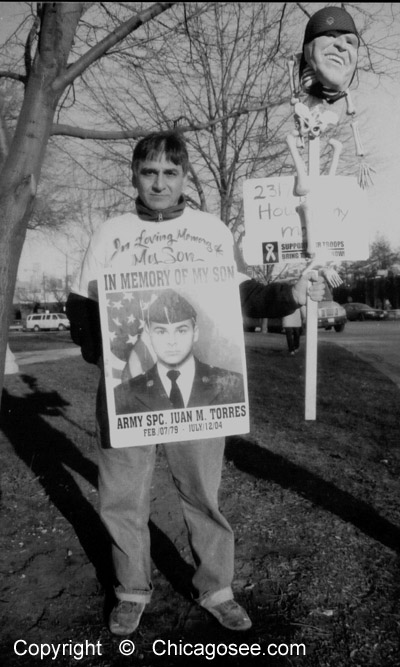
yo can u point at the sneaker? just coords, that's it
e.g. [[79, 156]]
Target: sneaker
[[231, 615], [125, 617]]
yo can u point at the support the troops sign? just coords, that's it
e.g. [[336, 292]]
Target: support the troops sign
[[275, 229]]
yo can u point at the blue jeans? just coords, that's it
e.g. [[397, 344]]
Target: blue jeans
[[125, 477]]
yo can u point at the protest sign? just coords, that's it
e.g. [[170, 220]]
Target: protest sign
[[140, 345], [275, 229]]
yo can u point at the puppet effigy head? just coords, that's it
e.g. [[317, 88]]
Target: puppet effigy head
[[329, 57]]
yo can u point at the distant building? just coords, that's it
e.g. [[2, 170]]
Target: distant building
[[45, 274]]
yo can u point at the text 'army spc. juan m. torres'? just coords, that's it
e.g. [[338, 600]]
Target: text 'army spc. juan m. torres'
[[159, 173]]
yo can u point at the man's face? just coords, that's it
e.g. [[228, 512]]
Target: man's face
[[159, 183], [333, 57], [173, 343]]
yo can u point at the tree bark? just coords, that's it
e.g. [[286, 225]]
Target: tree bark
[[21, 170]]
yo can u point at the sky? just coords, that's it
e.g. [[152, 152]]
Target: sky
[[9, 12], [384, 195], [384, 120]]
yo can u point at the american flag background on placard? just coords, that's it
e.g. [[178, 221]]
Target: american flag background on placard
[[130, 346]]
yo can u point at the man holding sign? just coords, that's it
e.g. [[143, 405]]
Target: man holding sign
[[161, 231]]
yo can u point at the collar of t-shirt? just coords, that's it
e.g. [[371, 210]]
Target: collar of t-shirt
[[146, 213], [184, 381]]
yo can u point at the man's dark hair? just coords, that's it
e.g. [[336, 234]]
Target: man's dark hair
[[172, 144]]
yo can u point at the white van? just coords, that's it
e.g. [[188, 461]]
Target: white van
[[49, 321]]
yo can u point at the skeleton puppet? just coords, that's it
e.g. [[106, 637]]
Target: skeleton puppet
[[326, 70], [327, 67]]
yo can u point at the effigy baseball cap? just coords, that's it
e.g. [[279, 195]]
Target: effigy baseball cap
[[169, 308], [327, 19]]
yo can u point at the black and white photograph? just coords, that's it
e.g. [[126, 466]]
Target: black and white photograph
[[163, 350], [200, 334]]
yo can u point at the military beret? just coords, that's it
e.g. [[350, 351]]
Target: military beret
[[170, 307]]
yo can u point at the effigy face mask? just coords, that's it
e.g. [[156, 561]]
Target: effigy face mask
[[333, 59]]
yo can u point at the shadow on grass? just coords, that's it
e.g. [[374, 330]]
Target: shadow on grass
[[264, 464], [48, 453]]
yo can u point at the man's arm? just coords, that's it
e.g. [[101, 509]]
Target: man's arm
[[279, 299], [275, 299], [84, 316]]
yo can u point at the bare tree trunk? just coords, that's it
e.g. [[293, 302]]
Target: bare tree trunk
[[21, 170], [17, 191]]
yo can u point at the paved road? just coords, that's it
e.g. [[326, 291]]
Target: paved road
[[378, 343], [375, 342]]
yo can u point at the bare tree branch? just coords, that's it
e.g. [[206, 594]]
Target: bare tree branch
[[28, 45], [100, 49], [6, 74], [116, 135]]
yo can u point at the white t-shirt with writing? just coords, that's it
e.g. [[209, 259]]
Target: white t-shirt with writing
[[128, 243]]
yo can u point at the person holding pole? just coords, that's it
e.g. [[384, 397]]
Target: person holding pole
[[161, 225]]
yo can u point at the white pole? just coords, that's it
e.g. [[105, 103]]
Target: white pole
[[312, 306]]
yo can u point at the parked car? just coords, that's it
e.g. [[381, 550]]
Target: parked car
[[16, 325], [47, 321], [252, 323], [330, 314], [361, 312]]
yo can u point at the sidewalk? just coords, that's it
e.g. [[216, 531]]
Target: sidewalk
[[23, 358]]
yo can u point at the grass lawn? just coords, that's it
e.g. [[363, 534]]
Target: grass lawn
[[314, 505]]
